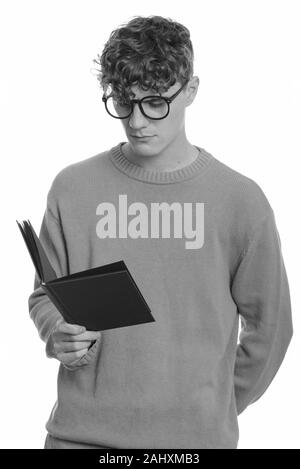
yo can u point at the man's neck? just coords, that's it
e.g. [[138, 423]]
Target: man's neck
[[168, 160]]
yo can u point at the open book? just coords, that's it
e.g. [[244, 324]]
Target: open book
[[105, 297]]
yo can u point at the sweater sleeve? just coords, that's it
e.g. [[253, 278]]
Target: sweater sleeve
[[42, 311], [261, 292]]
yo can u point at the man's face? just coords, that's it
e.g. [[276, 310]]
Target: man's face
[[161, 132]]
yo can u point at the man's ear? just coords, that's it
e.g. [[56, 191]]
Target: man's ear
[[192, 89]]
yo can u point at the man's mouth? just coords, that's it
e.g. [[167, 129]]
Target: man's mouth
[[144, 136]]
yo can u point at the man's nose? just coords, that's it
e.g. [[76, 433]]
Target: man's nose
[[137, 118]]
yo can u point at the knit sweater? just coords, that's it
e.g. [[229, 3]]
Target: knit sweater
[[202, 245]]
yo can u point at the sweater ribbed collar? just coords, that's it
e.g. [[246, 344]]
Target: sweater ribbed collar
[[159, 177]]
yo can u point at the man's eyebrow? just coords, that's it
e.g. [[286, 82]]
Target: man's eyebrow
[[151, 94]]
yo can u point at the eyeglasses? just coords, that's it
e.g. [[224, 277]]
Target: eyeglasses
[[153, 107]]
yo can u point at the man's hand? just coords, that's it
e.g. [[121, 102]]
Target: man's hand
[[69, 342]]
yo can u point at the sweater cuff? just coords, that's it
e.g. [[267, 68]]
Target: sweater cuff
[[51, 329], [49, 325]]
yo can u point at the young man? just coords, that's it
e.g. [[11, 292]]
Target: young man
[[200, 240]]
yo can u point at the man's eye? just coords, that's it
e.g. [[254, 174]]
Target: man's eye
[[155, 102]]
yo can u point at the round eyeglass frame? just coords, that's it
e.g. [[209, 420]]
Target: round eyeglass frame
[[168, 100]]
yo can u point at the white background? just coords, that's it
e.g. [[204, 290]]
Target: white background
[[246, 113]]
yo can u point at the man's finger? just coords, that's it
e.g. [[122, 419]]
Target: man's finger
[[71, 346], [70, 328], [70, 357], [87, 335]]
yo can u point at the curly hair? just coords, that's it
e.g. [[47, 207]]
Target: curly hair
[[152, 52]]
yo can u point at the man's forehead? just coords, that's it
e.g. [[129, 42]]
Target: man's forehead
[[140, 93]]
